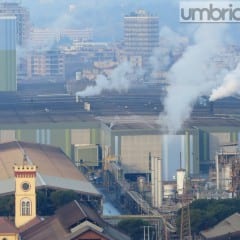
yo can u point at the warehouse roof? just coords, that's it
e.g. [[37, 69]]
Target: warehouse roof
[[228, 227], [55, 169]]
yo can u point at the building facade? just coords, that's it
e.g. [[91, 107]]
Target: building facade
[[141, 36], [47, 65], [8, 53], [22, 20], [25, 193]]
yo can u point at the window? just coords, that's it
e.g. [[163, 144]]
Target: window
[[25, 207]]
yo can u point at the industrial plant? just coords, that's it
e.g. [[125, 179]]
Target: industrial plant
[[138, 129]]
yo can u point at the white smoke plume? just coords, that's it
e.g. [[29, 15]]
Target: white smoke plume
[[192, 75], [120, 80], [229, 87], [170, 41]]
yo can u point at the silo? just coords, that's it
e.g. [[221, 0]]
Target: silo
[[156, 180], [141, 182], [181, 174], [169, 190], [227, 177]]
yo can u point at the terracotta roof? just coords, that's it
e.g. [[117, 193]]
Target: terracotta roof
[[230, 225], [30, 224], [51, 228], [6, 226], [73, 215]]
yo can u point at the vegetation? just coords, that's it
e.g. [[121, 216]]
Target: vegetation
[[205, 213], [47, 202], [7, 207], [135, 228]]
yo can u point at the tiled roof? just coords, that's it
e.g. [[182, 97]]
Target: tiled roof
[[6, 226], [230, 225], [74, 215]]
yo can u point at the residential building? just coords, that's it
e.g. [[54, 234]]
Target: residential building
[[46, 66], [47, 36]]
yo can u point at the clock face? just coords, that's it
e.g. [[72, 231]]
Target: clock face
[[25, 186]]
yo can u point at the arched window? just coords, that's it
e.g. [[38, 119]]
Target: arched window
[[25, 207]]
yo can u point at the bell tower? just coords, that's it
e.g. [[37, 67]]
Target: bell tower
[[25, 194]]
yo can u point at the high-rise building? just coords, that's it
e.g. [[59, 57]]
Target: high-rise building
[[22, 19], [8, 53], [141, 36]]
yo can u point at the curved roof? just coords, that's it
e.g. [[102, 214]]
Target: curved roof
[[54, 168]]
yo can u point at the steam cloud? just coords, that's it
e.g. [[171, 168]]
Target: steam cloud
[[169, 41], [119, 80], [192, 76], [229, 87]]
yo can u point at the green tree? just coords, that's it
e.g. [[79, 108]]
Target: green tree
[[59, 197], [134, 228], [7, 205], [206, 213]]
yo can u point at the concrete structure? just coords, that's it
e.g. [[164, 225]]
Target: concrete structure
[[156, 182], [141, 36], [8, 53], [13, 8]]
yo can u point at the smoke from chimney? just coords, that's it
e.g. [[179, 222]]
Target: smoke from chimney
[[192, 75], [229, 87], [119, 80]]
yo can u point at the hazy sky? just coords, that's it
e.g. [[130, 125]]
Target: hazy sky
[[104, 16]]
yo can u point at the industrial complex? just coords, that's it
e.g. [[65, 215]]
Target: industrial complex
[[100, 119]]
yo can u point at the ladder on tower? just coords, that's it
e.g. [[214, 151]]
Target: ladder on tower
[[185, 230]]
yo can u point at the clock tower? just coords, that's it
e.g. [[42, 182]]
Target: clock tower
[[25, 194]]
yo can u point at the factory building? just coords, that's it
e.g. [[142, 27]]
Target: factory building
[[8, 53], [131, 146], [141, 36]]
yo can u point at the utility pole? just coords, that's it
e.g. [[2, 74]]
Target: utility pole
[[146, 232]]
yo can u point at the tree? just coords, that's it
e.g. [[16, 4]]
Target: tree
[[134, 228], [206, 213], [7, 205], [59, 197]]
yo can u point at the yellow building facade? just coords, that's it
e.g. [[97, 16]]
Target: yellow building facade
[[9, 236], [25, 193]]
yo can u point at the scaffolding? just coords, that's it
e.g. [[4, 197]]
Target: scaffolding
[[185, 230], [228, 172]]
